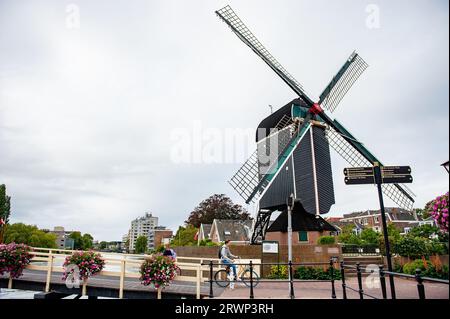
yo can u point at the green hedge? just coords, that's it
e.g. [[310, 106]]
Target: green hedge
[[316, 273], [278, 272], [326, 240]]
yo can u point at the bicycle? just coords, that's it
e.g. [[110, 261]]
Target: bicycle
[[223, 277]]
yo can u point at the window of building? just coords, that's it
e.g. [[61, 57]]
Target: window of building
[[375, 219], [302, 236]]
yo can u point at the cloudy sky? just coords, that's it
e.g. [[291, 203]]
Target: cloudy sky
[[109, 109]]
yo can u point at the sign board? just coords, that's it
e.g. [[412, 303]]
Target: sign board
[[270, 247], [389, 175]]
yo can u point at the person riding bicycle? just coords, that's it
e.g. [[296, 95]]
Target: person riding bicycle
[[227, 257]]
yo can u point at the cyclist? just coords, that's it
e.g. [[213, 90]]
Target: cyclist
[[227, 258]]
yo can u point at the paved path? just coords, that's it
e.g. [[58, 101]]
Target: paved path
[[405, 289], [130, 284]]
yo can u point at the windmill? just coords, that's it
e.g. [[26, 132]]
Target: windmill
[[293, 144]]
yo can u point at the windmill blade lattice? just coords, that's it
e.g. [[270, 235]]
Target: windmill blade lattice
[[240, 29], [342, 82], [399, 194]]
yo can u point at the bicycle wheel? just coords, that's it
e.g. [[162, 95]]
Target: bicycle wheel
[[245, 278], [221, 278]]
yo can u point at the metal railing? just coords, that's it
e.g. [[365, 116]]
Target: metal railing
[[382, 276], [360, 250], [251, 281]]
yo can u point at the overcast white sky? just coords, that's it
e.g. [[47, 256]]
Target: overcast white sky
[[88, 115]]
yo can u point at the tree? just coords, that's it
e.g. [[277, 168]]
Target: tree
[[217, 206], [140, 246], [88, 241], [424, 231], [103, 245], [30, 235], [77, 240], [369, 236], [348, 236], [82, 242], [185, 236], [5, 210]]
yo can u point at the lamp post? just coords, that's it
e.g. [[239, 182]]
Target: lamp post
[[290, 206]]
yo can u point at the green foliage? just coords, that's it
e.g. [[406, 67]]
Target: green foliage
[[278, 272], [217, 206], [29, 235], [140, 246], [5, 210], [326, 240], [369, 236], [82, 242], [102, 245], [427, 269], [208, 243], [348, 237], [412, 247], [185, 236], [316, 273], [424, 231]]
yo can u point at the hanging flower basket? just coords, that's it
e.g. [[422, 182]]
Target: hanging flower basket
[[82, 265], [14, 258], [439, 211], [158, 271]]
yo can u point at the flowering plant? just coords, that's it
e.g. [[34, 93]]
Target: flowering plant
[[89, 263], [14, 258], [158, 270], [439, 211]]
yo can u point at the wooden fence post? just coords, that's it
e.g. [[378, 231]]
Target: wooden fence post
[[83, 289], [122, 278], [159, 292], [49, 271], [10, 282], [199, 280]]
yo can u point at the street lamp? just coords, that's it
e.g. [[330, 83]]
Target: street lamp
[[445, 165]]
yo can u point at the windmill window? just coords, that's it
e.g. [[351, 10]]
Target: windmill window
[[302, 236]]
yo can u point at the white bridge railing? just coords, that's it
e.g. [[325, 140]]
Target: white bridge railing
[[116, 265]]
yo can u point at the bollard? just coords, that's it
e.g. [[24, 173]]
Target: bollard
[[360, 287], [291, 281], [251, 280], [333, 290], [420, 287], [211, 269], [344, 291], [383, 282]]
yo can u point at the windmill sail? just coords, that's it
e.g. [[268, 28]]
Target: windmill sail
[[240, 29], [344, 144], [342, 82]]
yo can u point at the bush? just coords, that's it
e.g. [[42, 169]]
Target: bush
[[427, 269], [208, 243], [278, 272], [412, 247], [326, 240], [316, 273], [14, 258]]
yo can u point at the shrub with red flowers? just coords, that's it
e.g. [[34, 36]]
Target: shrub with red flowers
[[14, 258], [88, 263], [158, 271], [439, 211]]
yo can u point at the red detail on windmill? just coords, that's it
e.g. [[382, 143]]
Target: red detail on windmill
[[315, 109]]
